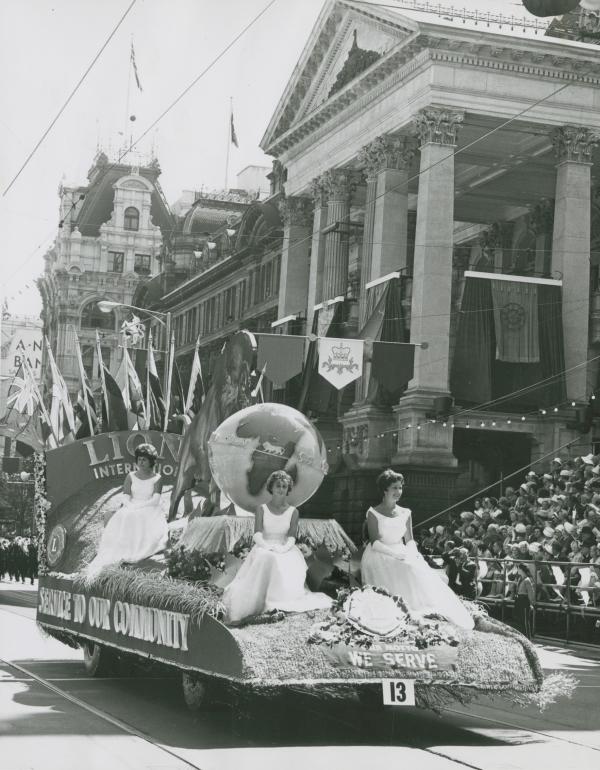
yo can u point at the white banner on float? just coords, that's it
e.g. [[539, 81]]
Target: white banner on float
[[340, 360]]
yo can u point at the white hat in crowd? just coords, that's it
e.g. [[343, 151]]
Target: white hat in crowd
[[548, 532]]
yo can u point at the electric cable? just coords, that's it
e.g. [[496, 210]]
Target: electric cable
[[71, 95]]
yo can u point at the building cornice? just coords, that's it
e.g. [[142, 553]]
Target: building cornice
[[548, 59]]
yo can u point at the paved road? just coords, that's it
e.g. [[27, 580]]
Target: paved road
[[141, 723]]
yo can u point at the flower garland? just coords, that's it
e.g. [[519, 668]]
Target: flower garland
[[42, 504], [338, 629], [193, 565]]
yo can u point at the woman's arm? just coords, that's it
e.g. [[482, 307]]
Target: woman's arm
[[372, 527], [293, 530], [258, 519], [408, 536], [127, 488]]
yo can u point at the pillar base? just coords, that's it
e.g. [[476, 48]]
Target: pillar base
[[422, 442], [368, 436]]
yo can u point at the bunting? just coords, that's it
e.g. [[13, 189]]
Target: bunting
[[282, 355], [86, 419], [340, 360], [195, 394], [62, 417], [155, 404]]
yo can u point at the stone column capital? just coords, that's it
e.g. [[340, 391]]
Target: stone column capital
[[387, 152], [438, 126], [574, 143], [340, 183], [295, 210], [318, 191]]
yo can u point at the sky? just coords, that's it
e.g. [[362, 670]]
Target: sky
[[46, 46]]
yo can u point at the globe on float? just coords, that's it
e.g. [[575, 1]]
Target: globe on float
[[248, 446]]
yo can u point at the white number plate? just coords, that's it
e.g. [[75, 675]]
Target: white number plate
[[398, 692]]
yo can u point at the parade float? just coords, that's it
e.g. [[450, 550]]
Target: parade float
[[169, 608]]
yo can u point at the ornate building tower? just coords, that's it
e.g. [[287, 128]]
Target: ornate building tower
[[110, 238]]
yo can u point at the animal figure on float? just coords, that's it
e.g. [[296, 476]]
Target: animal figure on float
[[229, 391]]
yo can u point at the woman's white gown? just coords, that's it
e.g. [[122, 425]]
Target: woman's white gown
[[136, 531], [406, 574], [268, 580]]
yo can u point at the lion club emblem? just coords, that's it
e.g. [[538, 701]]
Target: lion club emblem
[[340, 360], [513, 316]]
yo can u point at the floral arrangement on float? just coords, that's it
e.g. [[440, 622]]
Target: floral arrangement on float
[[362, 616]]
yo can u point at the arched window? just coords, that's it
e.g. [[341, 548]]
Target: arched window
[[132, 218], [93, 318]]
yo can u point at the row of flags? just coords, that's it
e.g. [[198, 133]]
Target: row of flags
[[127, 400], [340, 361]]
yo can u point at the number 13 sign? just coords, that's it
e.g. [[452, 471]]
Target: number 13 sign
[[398, 692]]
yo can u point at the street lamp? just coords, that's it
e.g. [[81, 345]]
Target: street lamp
[[106, 305]]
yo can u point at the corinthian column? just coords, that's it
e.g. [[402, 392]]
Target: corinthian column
[[339, 184], [571, 246], [431, 294], [296, 213], [317, 252], [432, 272]]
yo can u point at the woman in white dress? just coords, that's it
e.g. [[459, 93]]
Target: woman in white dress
[[273, 575], [139, 528], [391, 559]]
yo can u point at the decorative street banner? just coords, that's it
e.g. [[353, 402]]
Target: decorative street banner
[[516, 322], [282, 355], [340, 360]]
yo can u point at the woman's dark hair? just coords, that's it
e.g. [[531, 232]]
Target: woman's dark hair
[[280, 476], [386, 479], [147, 451]]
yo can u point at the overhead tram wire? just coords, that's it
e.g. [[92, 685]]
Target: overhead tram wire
[[71, 95], [160, 117]]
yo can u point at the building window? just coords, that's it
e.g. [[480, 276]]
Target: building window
[[116, 260], [132, 218], [142, 264], [93, 318]]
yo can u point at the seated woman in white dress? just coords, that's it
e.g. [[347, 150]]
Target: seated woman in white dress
[[273, 575], [391, 559], [139, 528]]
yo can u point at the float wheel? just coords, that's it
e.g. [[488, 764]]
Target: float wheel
[[195, 691], [97, 659]]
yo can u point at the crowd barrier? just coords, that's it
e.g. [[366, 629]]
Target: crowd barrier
[[566, 607]]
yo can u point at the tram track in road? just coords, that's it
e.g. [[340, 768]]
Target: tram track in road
[[392, 728]]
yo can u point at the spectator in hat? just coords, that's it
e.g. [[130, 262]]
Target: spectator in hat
[[467, 574]]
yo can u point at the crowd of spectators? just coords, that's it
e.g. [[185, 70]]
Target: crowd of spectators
[[550, 524], [18, 559]]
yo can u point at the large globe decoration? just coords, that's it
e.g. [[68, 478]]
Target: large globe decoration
[[248, 446]]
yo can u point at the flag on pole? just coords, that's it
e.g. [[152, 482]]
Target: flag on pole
[[171, 361], [234, 139], [195, 394], [155, 404], [62, 417], [133, 395], [114, 411], [135, 69], [85, 408]]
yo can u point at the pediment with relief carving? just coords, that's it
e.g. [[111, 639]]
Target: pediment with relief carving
[[348, 40]]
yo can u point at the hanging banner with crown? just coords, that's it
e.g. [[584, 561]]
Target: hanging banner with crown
[[340, 361]]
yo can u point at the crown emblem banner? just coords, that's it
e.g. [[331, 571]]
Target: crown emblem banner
[[340, 361]]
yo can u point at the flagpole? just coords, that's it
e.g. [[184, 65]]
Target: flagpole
[[170, 379], [228, 143], [102, 379], [126, 133], [84, 386], [148, 354], [39, 397]]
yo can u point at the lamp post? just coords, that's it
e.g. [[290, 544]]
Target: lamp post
[[106, 305]]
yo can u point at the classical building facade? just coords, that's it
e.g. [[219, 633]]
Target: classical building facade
[[449, 160], [111, 236]]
